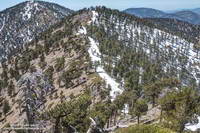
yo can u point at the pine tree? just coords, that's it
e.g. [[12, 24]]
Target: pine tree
[[6, 107], [71, 114], [139, 109], [49, 73], [179, 108], [11, 88], [60, 63], [152, 91]]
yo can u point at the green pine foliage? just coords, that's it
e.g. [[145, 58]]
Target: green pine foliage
[[72, 113], [60, 63], [139, 109], [145, 129], [179, 108], [144, 80], [6, 107]]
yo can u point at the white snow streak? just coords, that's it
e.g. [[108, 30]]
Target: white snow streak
[[2, 25], [95, 15], [82, 31], [95, 57]]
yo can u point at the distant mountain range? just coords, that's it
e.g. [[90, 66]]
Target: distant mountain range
[[196, 10], [191, 15]]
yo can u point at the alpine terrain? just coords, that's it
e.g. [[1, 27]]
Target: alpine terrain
[[22, 23], [99, 70]]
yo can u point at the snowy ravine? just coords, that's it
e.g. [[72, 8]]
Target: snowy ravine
[[94, 54], [95, 57]]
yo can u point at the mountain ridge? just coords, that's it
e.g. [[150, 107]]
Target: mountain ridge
[[145, 12], [196, 10], [185, 15], [98, 65]]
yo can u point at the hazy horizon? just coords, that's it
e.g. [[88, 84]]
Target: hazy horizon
[[117, 4]]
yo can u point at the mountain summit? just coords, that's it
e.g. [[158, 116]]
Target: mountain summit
[[22, 23]]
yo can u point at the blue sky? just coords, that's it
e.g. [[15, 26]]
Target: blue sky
[[117, 4]]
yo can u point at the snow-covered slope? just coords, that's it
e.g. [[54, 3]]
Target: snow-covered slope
[[177, 56], [94, 28], [22, 23], [95, 58]]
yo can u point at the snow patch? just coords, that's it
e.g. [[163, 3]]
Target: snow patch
[[29, 7], [82, 30], [2, 25], [126, 109], [27, 14], [94, 16], [193, 127]]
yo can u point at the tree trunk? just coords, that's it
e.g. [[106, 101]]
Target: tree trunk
[[124, 111], [181, 127], [132, 104], [161, 112], [138, 120], [115, 117], [108, 123], [69, 129], [57, 130], [153, 101], [110, 119]]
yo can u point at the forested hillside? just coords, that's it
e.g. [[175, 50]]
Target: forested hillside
[[184, 29], [99, 70]]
